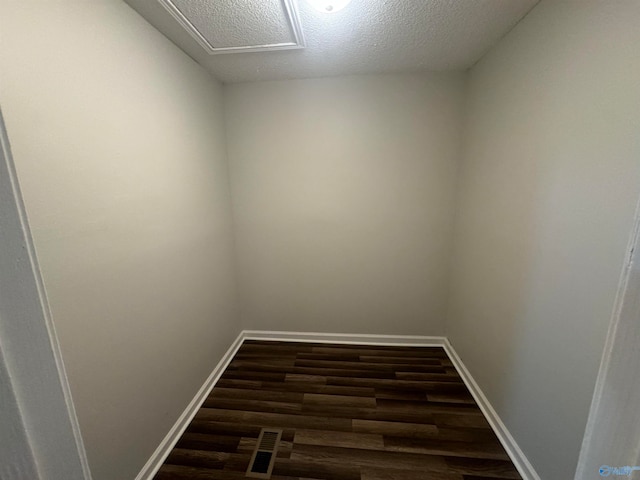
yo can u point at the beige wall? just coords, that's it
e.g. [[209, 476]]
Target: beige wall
[[549, 182], [119, 146], [343, 199]]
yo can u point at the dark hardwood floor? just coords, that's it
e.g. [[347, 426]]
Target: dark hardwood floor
[[347, 413]]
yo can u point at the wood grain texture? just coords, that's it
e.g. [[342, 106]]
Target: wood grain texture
[[348, 412]]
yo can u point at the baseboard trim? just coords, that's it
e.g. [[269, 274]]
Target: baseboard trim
[[517, 456], [162, 452], [346, 338]]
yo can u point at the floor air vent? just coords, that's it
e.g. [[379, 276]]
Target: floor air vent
[[263, 457]]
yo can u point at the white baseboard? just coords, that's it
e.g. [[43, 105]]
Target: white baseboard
[[162, 452], [346, 338], [518, 458]]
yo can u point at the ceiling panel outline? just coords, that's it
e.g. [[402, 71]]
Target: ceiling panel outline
[[290, 11]]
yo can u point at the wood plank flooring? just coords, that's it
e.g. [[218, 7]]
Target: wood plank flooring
[[348, 412]]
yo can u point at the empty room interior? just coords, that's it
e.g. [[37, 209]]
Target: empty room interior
[[316, 239]]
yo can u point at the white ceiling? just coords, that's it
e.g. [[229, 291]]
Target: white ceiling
[[368, 36]]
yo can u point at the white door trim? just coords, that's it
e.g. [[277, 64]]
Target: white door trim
[[30, 351], [612, 434]]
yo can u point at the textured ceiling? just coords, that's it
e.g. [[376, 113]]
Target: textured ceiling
[[368, 36], [225, 23]]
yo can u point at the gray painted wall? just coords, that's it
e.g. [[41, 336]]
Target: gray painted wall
[[118, 142], [343, 201], [549, 182]]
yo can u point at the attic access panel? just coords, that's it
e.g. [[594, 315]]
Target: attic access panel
[[233, 26]]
